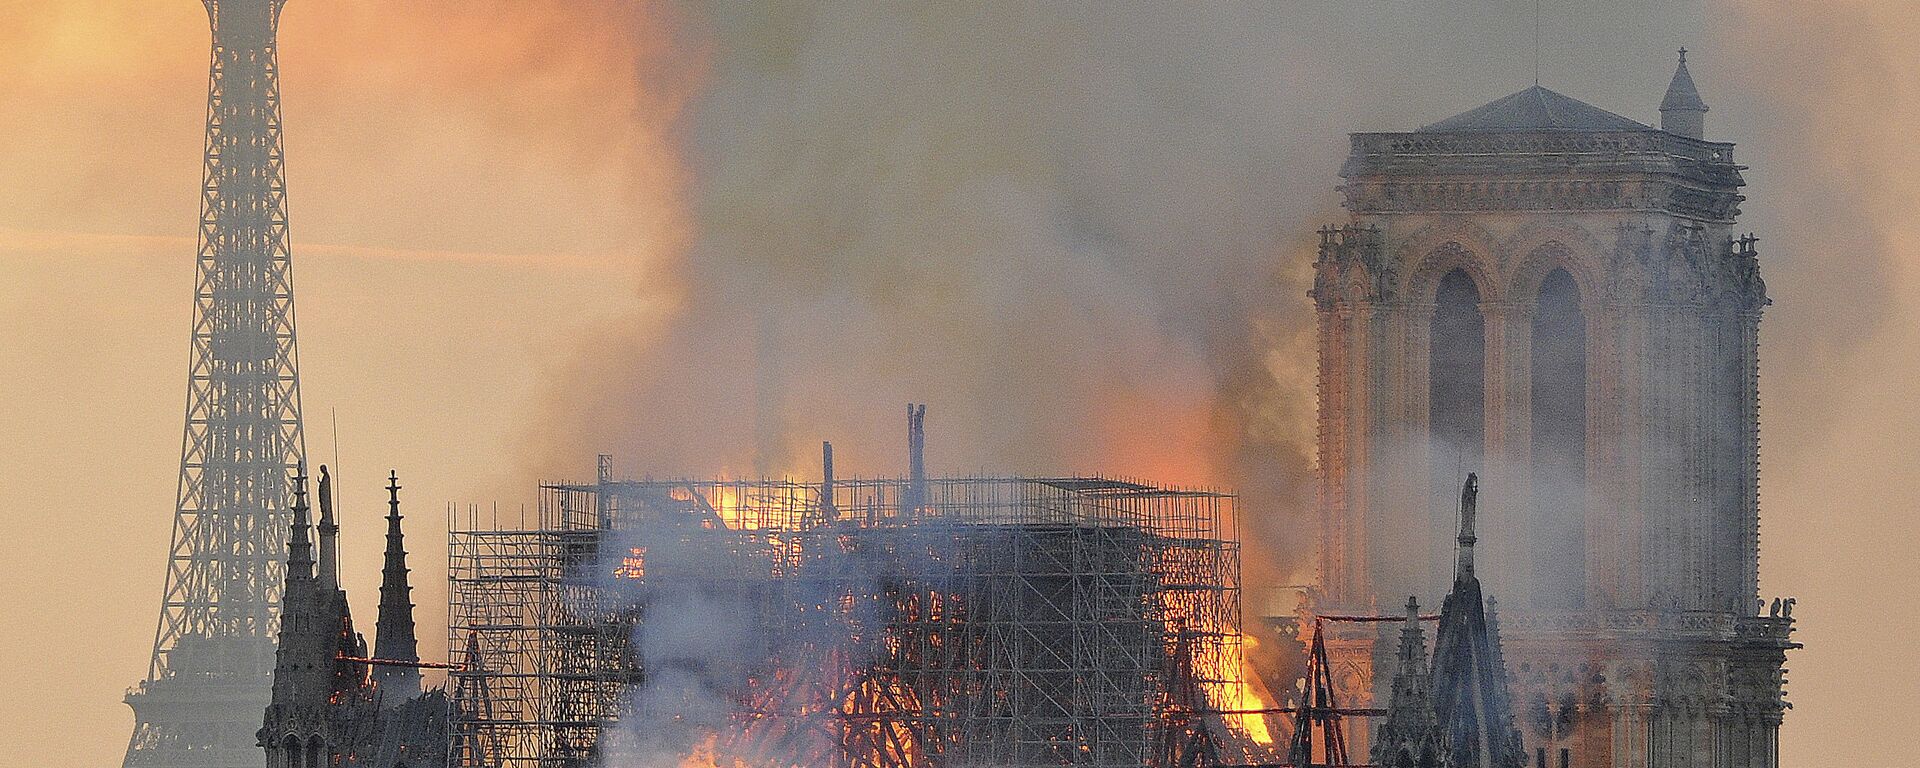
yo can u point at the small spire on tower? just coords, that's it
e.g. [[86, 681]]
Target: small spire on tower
[[1409, 726], [1413, 649], [299, 546], [1682, 112]]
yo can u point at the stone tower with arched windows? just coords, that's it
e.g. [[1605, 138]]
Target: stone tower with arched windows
[[1556, 297]]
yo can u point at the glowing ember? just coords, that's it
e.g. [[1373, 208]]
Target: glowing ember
[[633, 565]]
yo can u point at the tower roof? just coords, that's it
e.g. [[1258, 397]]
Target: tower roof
[[1408, 736], [1536, 109], [1681, 95]]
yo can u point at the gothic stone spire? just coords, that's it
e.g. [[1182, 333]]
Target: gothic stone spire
[[299, 543], [1472, 705], [1469, 500], [303, 659], [393, 636], [1407, 737]]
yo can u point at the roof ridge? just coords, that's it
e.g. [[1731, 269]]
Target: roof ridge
[[1536, 108]]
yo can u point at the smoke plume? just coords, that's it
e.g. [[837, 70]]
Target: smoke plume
[[1056, 224], [1080, 231]]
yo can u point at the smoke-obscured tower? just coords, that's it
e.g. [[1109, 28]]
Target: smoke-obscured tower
[[1555, 297], [213, 652]]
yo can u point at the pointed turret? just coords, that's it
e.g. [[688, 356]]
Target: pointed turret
[[299, 543], [393, 635], [293, 656], [1682, 112], [329, 573], [1407, 737], [303, 657]]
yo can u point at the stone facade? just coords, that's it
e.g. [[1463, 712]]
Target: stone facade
[[1556, 298]]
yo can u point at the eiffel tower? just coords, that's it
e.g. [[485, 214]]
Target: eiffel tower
[[210, 677]]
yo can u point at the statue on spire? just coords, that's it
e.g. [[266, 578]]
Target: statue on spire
[[1455, 711], [329, 571], [1469, 499]]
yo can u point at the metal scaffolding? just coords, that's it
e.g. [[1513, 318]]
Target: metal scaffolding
[[1003, 622]]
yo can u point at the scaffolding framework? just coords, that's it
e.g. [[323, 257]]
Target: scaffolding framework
[[1004, 622]]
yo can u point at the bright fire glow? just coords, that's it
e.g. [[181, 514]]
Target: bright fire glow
[[1241, 695], [1230, 687], [726, 501], [704, 754], [633, 565]]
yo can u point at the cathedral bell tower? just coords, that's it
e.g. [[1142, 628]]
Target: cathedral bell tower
[[1555, 297]]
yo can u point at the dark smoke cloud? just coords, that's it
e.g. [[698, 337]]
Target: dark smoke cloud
[[1081, 231], [1056, 224]]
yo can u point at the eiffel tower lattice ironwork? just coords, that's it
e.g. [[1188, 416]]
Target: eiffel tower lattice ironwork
[[209, 681]]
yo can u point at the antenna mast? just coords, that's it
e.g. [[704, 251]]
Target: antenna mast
[[1536, 42]]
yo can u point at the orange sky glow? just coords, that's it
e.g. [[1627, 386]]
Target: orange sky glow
[[495, 220]]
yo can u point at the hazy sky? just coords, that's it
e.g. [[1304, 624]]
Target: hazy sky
[[704, 238]]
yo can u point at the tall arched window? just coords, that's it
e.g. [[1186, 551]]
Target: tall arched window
[[291, 753], [1457, 379], [1559, 408]]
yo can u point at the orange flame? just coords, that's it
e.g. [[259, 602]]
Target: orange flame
[[702, 755], [1231, 687], [1237, 693], [633, 565]]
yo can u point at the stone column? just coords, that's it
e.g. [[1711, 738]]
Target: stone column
[[1509, 378]]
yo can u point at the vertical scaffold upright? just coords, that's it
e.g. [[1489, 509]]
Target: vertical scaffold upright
[[209, 678]]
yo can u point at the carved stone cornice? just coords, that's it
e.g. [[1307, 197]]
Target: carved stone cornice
[[1765, 631], [1691, 625], [1561, 144], [1639, 171]]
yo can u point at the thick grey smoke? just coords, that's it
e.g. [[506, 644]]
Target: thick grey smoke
[[1081, 231], [1065, 225], [714, 626]]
